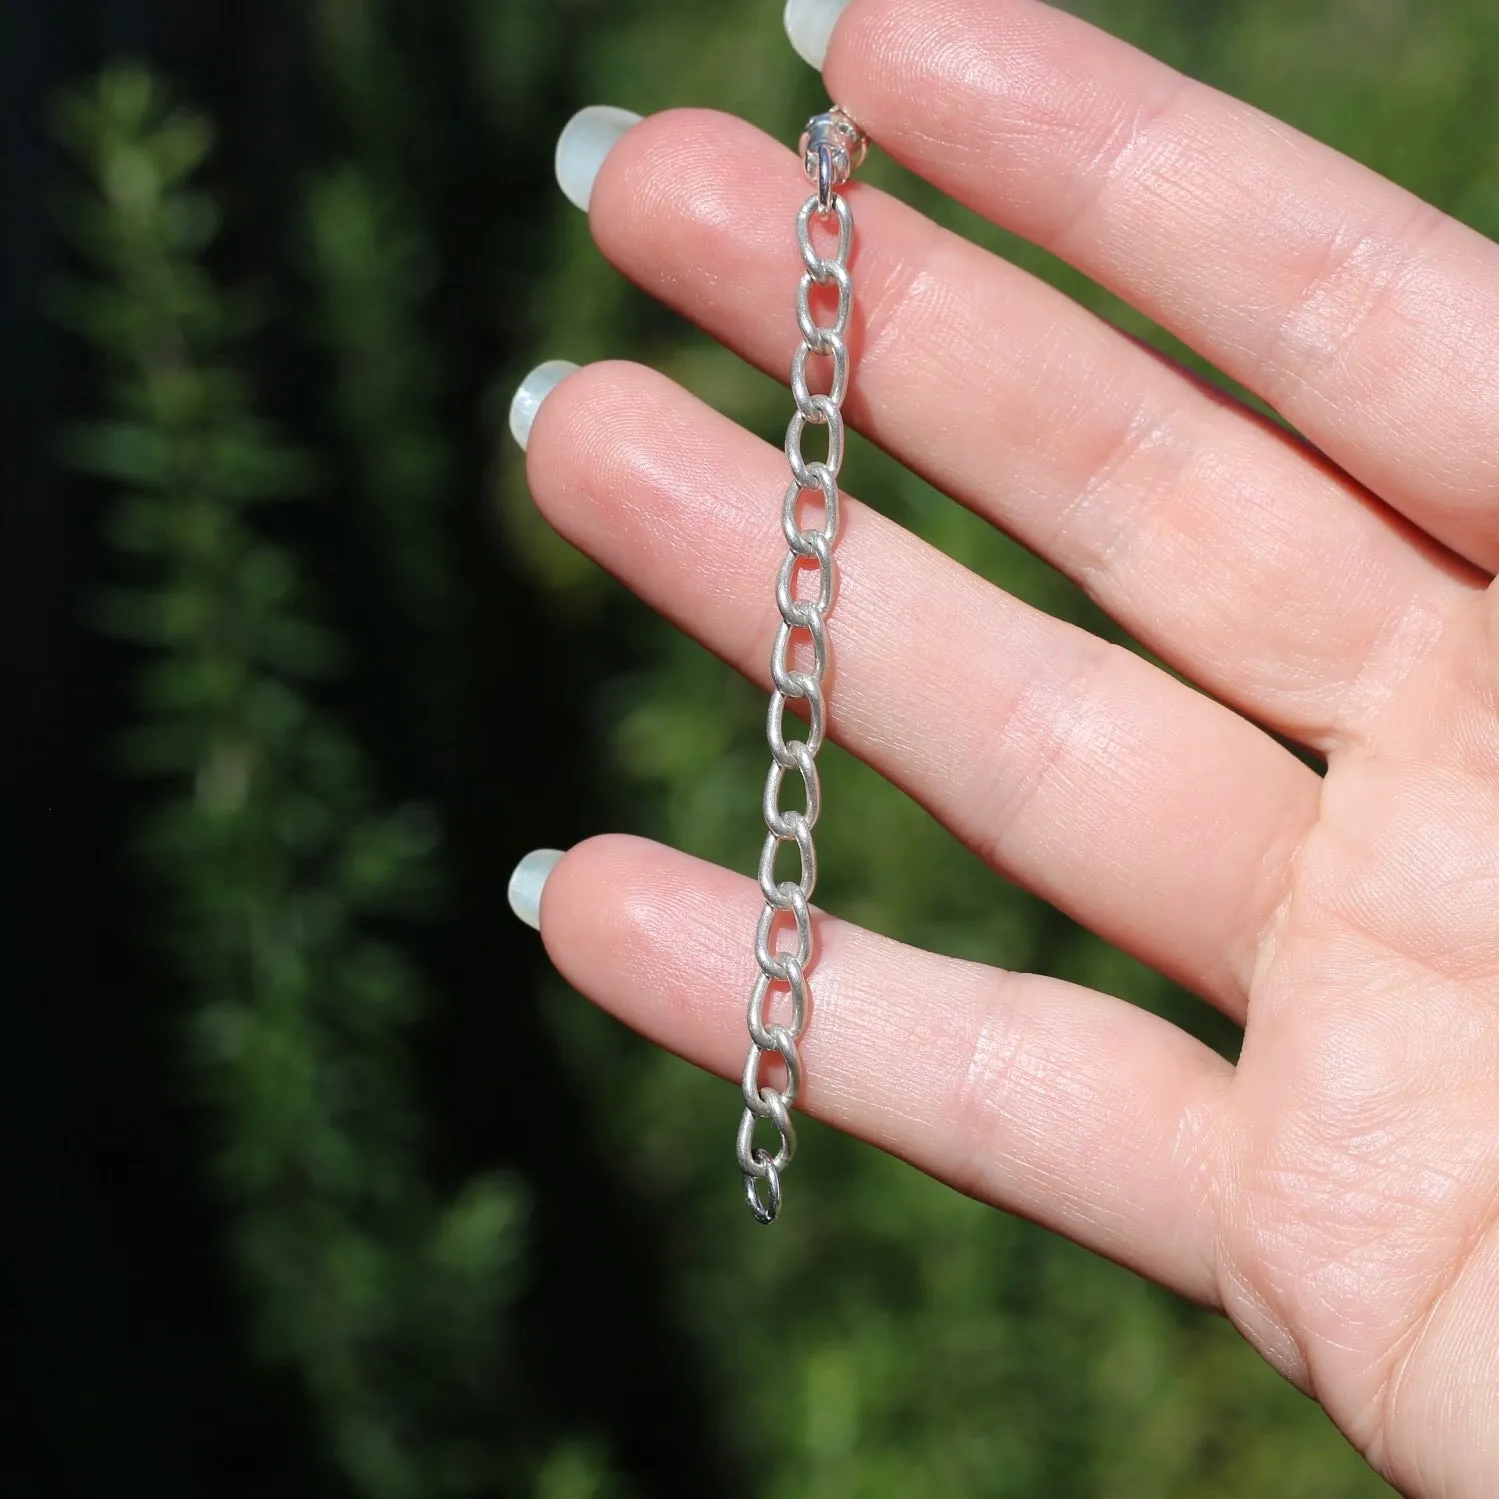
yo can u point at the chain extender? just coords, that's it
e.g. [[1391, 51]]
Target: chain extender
[[832, 148]]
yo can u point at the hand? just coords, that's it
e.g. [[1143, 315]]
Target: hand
[[1336, 1193]]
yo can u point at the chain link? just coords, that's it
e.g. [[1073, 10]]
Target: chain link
[[832, 147]]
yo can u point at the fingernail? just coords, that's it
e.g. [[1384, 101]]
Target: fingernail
[[809, 24], [585, 141], [529, 880], [533, 390]]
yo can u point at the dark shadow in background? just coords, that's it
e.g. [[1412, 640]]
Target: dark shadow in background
[[126, 1368]]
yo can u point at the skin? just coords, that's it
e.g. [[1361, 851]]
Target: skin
[[1337, 1193]]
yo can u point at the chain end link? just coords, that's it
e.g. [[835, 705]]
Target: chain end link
[[765, 1213]]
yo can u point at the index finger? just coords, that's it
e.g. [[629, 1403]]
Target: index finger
[[1364, 315]]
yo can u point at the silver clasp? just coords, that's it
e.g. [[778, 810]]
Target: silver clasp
[[833, 148]]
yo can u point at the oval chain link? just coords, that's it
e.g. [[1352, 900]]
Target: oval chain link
[[831, 149]]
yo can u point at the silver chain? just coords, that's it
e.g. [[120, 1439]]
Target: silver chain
[[832, 148]]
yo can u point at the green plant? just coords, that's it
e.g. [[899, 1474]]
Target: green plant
[[281, 875]]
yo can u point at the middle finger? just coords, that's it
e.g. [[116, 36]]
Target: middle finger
[[1184, 515]]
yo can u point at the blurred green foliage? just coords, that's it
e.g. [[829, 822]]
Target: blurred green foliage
[[275, 862], [890, 1337]]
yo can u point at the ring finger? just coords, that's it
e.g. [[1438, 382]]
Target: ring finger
[[1154, 815]]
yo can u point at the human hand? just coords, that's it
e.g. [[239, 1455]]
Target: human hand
[[1336, 1193]]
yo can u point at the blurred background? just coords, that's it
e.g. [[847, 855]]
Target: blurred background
[[320, 1182]]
